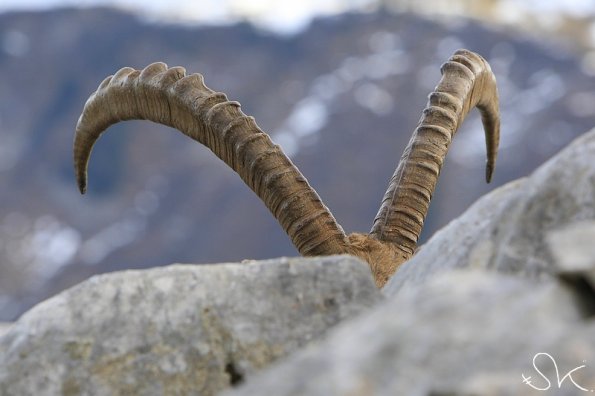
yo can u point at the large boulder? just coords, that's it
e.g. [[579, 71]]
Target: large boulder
[[464, 332], [182, 329]]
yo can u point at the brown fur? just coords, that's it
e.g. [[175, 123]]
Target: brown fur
[[383, 258]]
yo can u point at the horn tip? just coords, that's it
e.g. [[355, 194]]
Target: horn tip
[[82, 184], [489, 171]]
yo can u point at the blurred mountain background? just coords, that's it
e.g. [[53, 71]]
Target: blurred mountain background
[[341, 93]]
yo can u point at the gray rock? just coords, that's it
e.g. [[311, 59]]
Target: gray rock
[[4, 326], [573, 248], [464, 332], [507, 229], [180, 329]]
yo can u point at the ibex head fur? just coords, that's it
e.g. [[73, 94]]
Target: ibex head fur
[[170, 97]]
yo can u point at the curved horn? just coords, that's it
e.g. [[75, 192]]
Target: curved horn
[[467, 81], [169, 97]]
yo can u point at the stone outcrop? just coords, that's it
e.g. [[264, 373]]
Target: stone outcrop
[[181, 329], [464, 332]]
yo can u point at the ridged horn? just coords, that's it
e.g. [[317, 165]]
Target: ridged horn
[[467, 82], [172, 98]]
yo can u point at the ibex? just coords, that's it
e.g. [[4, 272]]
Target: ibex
[[170, 97]]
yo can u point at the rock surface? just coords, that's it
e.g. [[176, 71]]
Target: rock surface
[[180, 329], [4, 326], [507, 229], [573, 248], [465, 332]]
